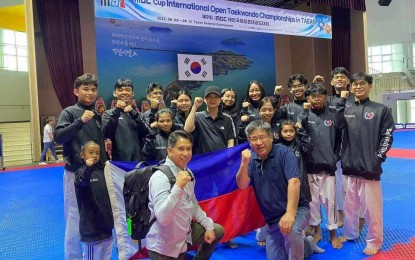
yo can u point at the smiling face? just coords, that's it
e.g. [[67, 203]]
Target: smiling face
[[124, 93], [340, 82], [181, 152], [297, 89], [266, 112], [229, 98], [255, 92], [261, 142], [361, 89], [87, 94], [184, 103]]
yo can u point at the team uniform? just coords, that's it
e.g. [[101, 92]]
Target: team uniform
[[96, 219], [367, 136], [72, 133], [127, 132], [290, 111], [321, 165], [341, 180]]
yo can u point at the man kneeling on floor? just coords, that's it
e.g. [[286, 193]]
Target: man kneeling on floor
[[179, 219], [273, 170]]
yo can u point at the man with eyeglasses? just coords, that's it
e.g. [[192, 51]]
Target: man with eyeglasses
[[367, 137], [297, 85], [273, 171]]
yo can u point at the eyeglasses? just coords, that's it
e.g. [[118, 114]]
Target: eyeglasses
[[297, 86], [359, 84], [255, 139], [317, 96]]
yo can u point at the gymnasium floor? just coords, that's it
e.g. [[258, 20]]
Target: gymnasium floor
[[32, 226]]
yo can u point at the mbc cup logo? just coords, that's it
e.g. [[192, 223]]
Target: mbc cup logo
[[369, 115]]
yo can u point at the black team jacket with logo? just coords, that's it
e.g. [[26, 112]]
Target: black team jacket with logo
[[71, 132], [367, 136]]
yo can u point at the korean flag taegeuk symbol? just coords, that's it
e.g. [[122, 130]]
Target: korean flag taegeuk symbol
[[195, 67]]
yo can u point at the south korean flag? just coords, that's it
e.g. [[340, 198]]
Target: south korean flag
[[195, 67]]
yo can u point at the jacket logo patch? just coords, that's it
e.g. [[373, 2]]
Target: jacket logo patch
[[369, 115], [328, 122]]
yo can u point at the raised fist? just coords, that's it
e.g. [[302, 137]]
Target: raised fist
[[88, 115]]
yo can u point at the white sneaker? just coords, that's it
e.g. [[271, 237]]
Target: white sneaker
[[42, 163]]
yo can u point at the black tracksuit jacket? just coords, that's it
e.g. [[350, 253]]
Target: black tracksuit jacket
[[367, 136], [71, 132], [95, 215]]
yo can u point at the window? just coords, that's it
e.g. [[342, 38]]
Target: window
[[13, 50], [386, 58]]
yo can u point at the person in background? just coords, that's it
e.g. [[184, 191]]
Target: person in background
[[229, 105], [48, 142], [180, 106], [254, 94], [155, 147], [155, 96]]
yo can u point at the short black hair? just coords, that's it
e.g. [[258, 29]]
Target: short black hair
[[162, 111], [123, 83], [86, 79], [283, 123], [174, 137], [299, 77], [85, 144], [267, 100], [153, 86], [183, 92], [229, 89], [340, 70], [362, 76], [315, 88]]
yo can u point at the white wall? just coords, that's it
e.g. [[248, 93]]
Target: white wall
[[389, 99], [390, 24], [14, 96]]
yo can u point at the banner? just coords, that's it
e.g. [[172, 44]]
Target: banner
[[216, 190], [218, 14], [194, 67]]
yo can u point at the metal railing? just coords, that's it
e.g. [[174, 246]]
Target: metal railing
[[390, 82]]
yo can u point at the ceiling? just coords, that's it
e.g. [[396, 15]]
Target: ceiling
[[284, 4]]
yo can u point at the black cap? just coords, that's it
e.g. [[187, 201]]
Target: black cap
[[212, 89]]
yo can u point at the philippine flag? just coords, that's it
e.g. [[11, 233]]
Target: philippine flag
[[195, 67]]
